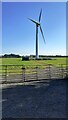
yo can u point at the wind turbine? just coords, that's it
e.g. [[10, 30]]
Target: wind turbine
[[38, 25]]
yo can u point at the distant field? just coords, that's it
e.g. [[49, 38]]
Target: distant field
[[29, 64], [18, 61]]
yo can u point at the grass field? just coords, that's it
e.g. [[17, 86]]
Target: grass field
[[18, 61], [58, 61]]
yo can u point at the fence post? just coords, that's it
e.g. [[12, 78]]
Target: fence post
[[62, 72], [49, 71], [66, 72], [23, 71], [36, 73], [6, 73]]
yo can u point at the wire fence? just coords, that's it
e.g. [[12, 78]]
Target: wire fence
[[21, 73]]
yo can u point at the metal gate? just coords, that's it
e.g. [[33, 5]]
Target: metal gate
[[20, 73]]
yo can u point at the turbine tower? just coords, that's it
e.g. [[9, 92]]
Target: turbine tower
[[38, 25]]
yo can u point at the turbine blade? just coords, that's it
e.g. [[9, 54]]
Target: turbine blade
[[42, 34], [34, 21], [40, 15]]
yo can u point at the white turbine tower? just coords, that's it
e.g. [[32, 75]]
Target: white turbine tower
[[38, 25]]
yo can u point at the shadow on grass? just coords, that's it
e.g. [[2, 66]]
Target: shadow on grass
[[43, 99]]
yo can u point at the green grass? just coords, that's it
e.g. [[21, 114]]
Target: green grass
[[18, 61], [28, 64]]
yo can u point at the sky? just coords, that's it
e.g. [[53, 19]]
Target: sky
[[19, 33], [67, 29], [34, 0]]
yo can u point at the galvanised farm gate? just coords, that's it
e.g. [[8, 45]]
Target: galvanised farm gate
[[21, 73]]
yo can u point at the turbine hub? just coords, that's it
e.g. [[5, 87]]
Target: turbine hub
[[38, 24]]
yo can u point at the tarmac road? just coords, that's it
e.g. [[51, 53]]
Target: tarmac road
[[43, 99]]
